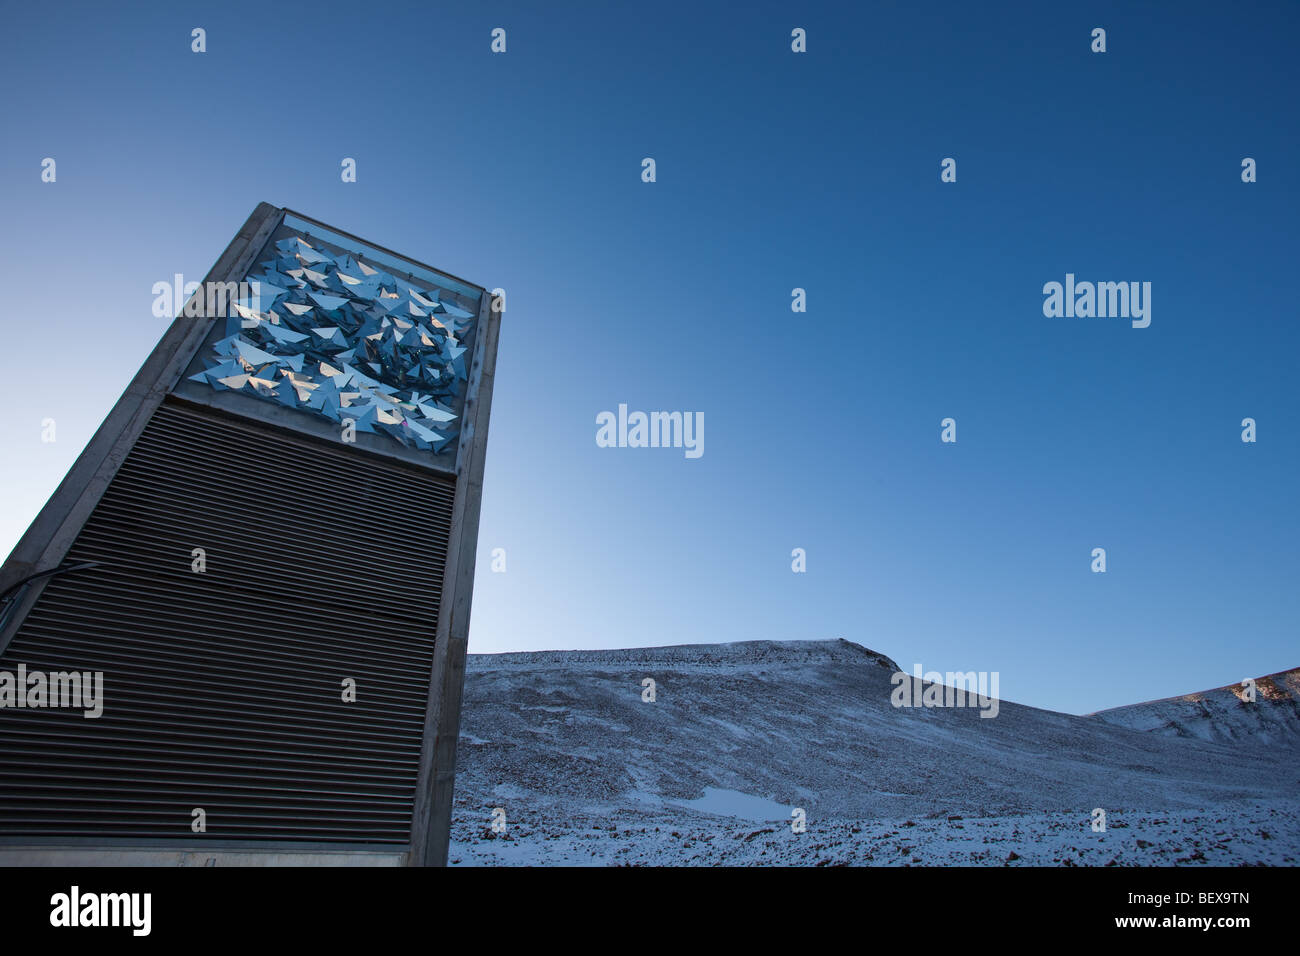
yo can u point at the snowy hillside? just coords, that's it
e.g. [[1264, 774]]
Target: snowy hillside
[[1223, 714], [740, 735]]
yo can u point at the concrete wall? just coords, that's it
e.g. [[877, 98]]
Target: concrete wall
[[126, 856]]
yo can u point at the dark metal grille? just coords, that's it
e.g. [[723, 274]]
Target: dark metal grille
[[223, 689]]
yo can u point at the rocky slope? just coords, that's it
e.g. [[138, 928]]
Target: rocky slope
[[744, 734]]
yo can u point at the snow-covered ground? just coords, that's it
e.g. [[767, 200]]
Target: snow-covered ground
[[741, 736], [1247, 834]]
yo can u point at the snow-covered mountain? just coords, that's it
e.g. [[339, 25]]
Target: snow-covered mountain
[[1225, 714], [568, 745]]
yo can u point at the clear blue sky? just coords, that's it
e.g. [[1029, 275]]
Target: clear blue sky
[[775, 170]]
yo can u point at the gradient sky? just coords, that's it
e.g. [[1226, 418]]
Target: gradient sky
[[775, 170]]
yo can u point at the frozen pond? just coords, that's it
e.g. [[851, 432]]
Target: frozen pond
[[733, 803]]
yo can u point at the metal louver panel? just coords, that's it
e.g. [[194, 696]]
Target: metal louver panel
[[223, 689]]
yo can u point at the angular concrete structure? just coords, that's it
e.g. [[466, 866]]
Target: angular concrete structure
[[259, 571]]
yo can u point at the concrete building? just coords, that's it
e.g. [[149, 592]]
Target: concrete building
[[259, 573]]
